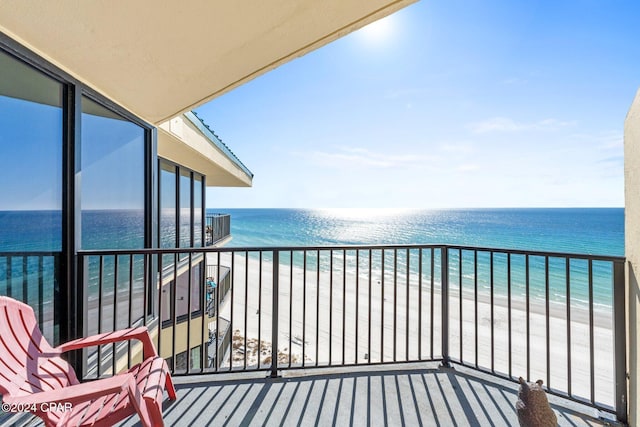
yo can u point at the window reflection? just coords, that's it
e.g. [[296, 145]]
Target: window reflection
[[181, 225], [31, 121], [185, 209], [112, 180], [197, 211]]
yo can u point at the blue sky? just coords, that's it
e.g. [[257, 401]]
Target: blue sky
[[444, 104]]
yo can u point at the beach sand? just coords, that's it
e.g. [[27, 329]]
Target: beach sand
[[342, 320]]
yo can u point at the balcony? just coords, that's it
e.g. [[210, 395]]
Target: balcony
[[217, 228], [408, 334]]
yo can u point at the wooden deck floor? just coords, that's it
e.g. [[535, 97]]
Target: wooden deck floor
[[405, 395]]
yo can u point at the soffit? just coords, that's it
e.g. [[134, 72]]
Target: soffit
[[183, 142], [159, 59]]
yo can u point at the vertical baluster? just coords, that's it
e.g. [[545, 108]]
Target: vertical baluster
[[460, 326], [330, 306], [591, 336], [160, 279], [357, 318], [317, 306], [406, 350], [432, 300], [420, 304], [174, 318], [131, 278], [492, 312], [246, 306], [547, 323], [528, 312], [233, 289], [509, 313], [204, 327], [275, 294], [369, 309], [100, 294], [568, 287], [475, 302], [41, 292], [382, 309], [395, 302], [444, 299], [304, 306], [344, 302], [114, 326], [290, 305], [259, 311], [189, 307]]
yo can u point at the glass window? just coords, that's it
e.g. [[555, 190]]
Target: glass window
[[180, 219], [31, 147], [182, 290], [185, 209], [167, 205], [31, 136], [197, 211], [113, 180], [195, 358]]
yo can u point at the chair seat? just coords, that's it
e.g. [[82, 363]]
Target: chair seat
[[150, 376]]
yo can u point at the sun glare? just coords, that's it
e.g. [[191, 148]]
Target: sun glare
[[362, 213], [378, 31]]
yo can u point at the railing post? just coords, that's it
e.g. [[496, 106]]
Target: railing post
[[77, 313], [274, 314], [620, 340], [444, 299]]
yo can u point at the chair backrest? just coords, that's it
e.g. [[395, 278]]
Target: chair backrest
[[28, 364]]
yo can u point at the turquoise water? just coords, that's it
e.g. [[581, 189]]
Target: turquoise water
[[585, 231], [577, 231], [582, 231]]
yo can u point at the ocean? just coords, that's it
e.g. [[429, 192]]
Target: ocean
[[598, 231], [595, 231]]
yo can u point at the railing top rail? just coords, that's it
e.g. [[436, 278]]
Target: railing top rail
[[28, 253], [594, 257]]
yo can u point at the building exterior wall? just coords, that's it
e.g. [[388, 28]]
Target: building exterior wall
[[632, 252]]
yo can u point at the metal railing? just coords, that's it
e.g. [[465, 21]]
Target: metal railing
[[217, 228], [32, 277], [540, 315], [218, 285]]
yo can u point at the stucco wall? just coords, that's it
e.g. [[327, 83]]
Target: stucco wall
[[632, 250]]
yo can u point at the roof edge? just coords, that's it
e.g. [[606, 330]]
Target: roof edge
[[215, 140]]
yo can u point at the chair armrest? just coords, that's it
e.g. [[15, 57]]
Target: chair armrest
[[77, 393], [141, 334]]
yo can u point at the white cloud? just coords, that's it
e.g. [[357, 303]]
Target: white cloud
[[469, 167], [357, 156], [505, 124], [459, 148]]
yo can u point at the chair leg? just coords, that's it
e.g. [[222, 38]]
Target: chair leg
[[171, 390]]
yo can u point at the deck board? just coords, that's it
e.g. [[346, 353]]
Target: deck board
[[411, 395]]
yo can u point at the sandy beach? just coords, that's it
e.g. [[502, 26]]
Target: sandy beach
[[349, 319]]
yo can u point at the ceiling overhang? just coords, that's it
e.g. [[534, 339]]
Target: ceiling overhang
[[188, 142], [160, 59]]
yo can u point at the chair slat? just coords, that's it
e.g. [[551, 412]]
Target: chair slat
[[30, 366]]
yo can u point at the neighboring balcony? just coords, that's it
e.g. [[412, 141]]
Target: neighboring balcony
[[217, 229], [401, 334]]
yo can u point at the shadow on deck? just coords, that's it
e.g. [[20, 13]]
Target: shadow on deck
[[411, 395]]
